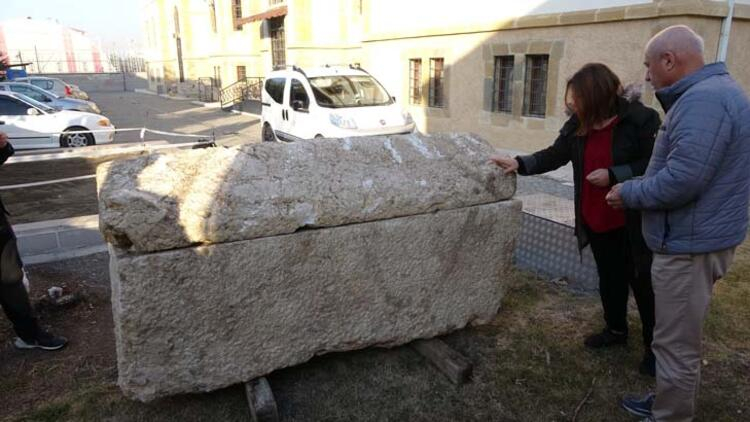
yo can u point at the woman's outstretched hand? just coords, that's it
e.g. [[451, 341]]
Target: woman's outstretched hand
[[506, 162]]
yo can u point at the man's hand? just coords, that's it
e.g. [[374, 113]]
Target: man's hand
[[599, 177], [507, 163], [613, 197], [3, 140]]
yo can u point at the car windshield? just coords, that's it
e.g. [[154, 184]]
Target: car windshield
[[348, 91], [37, 104]]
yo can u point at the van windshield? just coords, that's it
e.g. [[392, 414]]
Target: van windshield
[[348, 91]]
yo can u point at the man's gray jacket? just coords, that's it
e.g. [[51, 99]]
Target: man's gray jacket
[[695, 190]]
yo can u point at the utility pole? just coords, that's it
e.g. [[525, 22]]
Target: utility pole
[[726, 29], [36, 53], [124, 83]]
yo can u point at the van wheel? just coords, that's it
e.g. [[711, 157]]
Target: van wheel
[[267, 134], [318, 136], [76, 140]]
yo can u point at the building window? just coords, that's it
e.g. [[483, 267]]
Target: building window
[[236, 14], [212, 15], [503, 83], [415, 81], [436, 82], [278, 42], [274, 2], [241, 73], [535, 86]]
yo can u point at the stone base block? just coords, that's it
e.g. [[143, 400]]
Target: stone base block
[[202, 318]]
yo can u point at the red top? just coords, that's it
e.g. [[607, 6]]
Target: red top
[[597, 154]]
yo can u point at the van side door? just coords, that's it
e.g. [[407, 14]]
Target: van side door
[[302, 123]]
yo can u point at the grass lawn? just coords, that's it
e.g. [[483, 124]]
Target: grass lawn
[[530, 365]]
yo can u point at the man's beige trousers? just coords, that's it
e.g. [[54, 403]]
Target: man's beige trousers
[[682, 291]]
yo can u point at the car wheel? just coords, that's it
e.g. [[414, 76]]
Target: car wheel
[[268, 135], [76, 140], [318, 136]]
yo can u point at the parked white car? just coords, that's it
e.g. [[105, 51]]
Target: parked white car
[[49, 98], [31, 124], [328, 102]]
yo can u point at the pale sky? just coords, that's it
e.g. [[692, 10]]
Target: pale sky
[[116, 22]]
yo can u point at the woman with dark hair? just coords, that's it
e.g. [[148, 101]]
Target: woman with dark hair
[[608, 139]]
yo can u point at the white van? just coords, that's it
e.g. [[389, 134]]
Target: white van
[[328, 102]]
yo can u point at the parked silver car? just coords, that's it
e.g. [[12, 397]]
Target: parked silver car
[[49, 98], [57, 86]]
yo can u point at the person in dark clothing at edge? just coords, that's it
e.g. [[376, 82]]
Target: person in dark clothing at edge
[[13, 295], [609, 139]]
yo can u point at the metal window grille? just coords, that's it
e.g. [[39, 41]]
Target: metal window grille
[[503, 83], [415, 83], [535, 86], [278, 43], [237, 14], [436, 82]]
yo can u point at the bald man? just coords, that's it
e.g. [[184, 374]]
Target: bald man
[[694, 197]]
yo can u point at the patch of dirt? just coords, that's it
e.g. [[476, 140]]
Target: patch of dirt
[[529, 365], [28, 378]]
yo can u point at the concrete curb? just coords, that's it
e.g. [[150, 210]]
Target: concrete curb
[[55, 240], [246, 113], [206, 105], [169, 97]]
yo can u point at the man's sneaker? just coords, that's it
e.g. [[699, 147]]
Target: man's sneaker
[[639, 406], [648, 364], [43, 340], [606, 338]]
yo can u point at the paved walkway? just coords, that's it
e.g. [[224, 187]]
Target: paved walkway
[[132, 109]]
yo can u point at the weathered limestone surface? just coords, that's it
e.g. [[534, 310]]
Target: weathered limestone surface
[[208, 196], [214, 283], [201, 318]]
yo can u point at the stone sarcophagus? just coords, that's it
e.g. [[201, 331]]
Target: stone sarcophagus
[[227, 264]]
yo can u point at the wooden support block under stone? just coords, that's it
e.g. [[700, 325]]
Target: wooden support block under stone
[[453, 364], [261, 401]]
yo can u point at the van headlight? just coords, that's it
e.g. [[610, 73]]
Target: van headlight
[[407, 118], [342, 122]]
